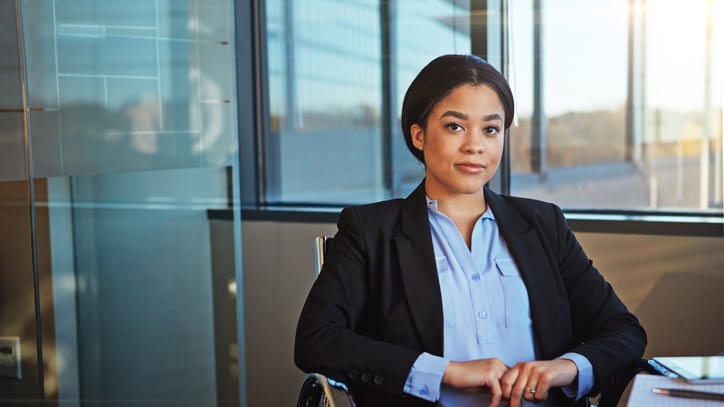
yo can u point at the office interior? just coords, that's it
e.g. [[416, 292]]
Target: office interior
[[166, 164]]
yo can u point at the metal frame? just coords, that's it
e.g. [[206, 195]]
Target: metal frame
[[29, 172]]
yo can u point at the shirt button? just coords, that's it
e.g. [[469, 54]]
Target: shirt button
[[482, 314], [476, 277], [379, 379], [366, 377]]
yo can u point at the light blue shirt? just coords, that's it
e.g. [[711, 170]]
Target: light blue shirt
[[486, 312]]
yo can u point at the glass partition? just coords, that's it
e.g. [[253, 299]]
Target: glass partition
[[131, 133]]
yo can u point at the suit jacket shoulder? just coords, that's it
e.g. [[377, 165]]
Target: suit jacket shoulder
[[383, 213]]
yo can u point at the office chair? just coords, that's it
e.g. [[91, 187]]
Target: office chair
[[320, 391], [321, 244], [317, 389]]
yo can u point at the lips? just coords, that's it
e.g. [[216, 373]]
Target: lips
[[470, 167]]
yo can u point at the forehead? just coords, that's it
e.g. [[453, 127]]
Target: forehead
[[471, 99]]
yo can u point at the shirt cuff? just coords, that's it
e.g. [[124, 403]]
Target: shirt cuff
[[584, 382], [425, 377]]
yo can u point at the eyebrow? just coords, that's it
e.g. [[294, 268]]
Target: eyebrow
[[463, 116]]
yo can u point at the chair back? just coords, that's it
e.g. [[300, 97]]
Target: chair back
[[317, 389], [321, 243]]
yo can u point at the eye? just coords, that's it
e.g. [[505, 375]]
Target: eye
[[492, 130], [454, 127]]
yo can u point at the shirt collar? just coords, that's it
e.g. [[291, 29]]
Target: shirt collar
[[432, 205]]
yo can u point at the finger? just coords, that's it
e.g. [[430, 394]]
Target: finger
[[495, 393], [541, 391], [518, 390], [514, 402], [542, 382], [531, 391], [531, 384], [507, 381]]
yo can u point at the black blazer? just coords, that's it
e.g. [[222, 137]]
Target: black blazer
[[376, 305]]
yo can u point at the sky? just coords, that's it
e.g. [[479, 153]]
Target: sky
[[585, 54]]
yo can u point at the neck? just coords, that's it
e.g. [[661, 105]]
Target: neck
[[464, 210], [462, 207]]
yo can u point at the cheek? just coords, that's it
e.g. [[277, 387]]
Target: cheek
[[434, 145], [495, 145]]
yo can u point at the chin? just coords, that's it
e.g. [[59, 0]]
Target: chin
[[471, 188]]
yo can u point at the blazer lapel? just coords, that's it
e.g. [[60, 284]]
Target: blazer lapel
[[418, 270], [530, 256]]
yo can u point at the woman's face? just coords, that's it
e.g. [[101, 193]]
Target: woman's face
[[462, 141]]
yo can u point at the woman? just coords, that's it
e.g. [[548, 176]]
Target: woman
[[458, 295]]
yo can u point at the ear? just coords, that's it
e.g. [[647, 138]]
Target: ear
[[417, 134]]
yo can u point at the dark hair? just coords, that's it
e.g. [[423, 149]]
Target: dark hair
[[438, 78]]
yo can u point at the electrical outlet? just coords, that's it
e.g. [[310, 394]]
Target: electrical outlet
[[10, 357]]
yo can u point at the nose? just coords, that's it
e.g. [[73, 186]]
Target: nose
[[474, 144]]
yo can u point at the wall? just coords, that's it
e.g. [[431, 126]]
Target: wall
[[673, 284], [278, 264]]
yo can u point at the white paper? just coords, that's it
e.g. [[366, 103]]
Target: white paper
[[641, 394]]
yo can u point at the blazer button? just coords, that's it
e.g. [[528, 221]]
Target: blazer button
[[379, 379], [353, 374], [366, 377]]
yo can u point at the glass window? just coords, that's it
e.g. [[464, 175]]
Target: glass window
[[617, 107], [329, 140], [422, 32], [619, 103], [324, 139]]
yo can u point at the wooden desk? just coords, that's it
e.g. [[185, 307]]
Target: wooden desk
[[642, 396]]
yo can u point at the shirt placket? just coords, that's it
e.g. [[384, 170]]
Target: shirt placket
[[477, 274]]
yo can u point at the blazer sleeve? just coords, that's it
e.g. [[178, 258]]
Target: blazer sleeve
[[328, 338], [604, 330]]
